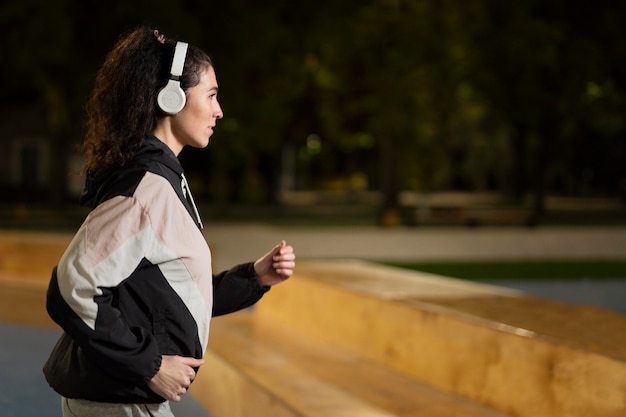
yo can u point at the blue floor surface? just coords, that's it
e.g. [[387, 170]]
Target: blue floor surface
[[24, 391]]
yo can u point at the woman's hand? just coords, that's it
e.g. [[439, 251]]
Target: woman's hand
[[174, 376], [276, 266]]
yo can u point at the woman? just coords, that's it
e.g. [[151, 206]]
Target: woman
[[134, 291]]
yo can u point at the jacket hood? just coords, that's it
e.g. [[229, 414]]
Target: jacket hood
[[152, 152]]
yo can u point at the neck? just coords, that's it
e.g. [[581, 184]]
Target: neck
[[163, 132]]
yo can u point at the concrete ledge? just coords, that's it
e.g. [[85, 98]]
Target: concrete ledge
[[258, 368], [31, 252], [521, 355], [26, 261]]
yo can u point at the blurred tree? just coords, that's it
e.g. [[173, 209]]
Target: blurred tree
[[534, 63], [393, 72], [419, 95], [37, 42]]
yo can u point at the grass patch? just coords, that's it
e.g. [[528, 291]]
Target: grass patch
[[532, 269]]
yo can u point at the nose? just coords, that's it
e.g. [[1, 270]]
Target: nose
[[218, 112]]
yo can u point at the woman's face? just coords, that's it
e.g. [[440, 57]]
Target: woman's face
[[194, 124]]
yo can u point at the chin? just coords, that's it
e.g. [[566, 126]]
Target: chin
[[201, 143]]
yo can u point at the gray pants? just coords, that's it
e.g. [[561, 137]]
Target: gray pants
[[84, 408]]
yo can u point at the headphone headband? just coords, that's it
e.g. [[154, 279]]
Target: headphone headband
[[178, 62]]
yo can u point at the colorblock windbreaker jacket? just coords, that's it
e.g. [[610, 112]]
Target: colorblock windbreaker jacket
[[136, 283]]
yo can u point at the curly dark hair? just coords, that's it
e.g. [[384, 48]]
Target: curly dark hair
[[122, 110]]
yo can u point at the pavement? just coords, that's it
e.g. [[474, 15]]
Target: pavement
[[241, 242], [234, 243], [23, 350]]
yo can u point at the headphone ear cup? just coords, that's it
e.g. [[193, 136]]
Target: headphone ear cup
[[171, 98]]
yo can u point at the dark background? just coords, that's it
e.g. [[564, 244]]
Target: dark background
[[522, 101]]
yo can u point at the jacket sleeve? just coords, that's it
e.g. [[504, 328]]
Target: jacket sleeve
[[81, 296], [236, 289], [131, 357]]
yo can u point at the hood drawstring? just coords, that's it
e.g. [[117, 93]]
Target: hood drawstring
[[189, 197]]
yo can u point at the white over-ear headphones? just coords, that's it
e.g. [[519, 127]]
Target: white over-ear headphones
[[171, 98]]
